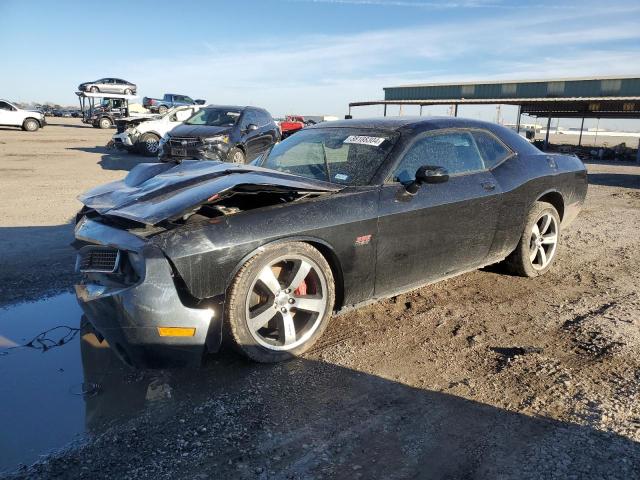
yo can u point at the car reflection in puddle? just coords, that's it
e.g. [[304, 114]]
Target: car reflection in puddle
[[49, 397]]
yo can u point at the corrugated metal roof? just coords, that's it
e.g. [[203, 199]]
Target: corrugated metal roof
[[500, 82], [506, 101]]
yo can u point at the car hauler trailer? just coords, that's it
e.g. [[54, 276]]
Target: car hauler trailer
[[102, 110]]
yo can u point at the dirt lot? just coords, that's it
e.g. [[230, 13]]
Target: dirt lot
[[482, 376], [41, 175]]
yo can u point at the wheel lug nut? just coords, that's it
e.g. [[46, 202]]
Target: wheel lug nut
[[283, 310], [291, 300], [288, 290]]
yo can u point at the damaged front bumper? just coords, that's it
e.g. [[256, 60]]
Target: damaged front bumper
[[124, 140], [217, 151], [145, 323]]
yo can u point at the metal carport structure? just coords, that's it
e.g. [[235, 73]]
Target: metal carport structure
[[594, 97]]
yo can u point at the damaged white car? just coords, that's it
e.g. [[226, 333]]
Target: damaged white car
[[143, 135]]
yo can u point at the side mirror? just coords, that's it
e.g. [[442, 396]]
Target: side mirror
[[427, 174], [251, 127]]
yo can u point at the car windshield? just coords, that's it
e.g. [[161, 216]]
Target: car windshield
[[348, 156], [215, 117]]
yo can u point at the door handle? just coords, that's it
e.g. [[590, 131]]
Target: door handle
[[488, 186]]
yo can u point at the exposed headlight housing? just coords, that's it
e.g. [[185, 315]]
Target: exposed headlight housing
[[217, 139]]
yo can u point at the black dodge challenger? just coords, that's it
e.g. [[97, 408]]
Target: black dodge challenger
[[178, 257]]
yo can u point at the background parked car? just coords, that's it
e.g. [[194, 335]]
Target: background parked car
[[227, 133], [12, 116], [109, 85], [143, 135], [161, 105]]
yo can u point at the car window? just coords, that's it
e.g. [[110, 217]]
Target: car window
[[5, 106], [187, 99], [262, 118], [248, 118], [454, 150], [348, 156], [493, 151]]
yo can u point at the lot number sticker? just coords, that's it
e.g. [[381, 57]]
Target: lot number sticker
[[364, 140]]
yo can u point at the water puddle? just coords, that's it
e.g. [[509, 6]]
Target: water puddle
[[59, 383]]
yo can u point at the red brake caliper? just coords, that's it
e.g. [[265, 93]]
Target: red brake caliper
[[301, 290]]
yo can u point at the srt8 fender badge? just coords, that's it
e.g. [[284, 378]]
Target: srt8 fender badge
[[362, 240]]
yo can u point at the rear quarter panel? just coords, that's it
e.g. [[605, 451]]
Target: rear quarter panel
[[524, 179]]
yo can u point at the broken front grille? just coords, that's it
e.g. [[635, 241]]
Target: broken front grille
[[184, 142], [98, 259]]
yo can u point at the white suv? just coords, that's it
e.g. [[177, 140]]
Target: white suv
[[145, 136], [12, 116]]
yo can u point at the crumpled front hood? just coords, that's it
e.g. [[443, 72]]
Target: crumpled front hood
[[153, 192]]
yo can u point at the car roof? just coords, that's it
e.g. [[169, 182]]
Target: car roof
[[230, 107], [412, 123]]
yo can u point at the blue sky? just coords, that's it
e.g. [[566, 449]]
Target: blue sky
[[306, 56]]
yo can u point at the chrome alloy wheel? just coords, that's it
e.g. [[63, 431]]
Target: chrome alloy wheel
[[286, 302], [543, 242]]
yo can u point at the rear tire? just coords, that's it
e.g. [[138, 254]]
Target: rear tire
[[162, 109], [30, 125], [279, 302], [148, 144], [538, 245], [105, 123], [127, 91], [236, 155]]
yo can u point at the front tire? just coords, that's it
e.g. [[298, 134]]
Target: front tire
[[280, 302], [94, 89], [149, 143], [236, 155], [105, 123], [162, 109], [537, 248], [30, 125], [127, 91]]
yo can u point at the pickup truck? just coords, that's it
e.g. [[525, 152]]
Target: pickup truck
[[12, 116], [161, 105]]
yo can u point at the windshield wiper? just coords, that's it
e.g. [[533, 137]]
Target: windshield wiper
[[326, 164]]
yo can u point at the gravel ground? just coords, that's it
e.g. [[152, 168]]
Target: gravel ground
[[41, 174], [482, 376]]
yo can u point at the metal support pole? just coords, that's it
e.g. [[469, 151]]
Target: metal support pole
[[518, 121], [385, 109], [595, 142], [455, 110], [420, 110], [581, 128], [349, 110], [546, 137]]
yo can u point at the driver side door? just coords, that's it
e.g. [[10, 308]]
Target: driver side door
[[443, 229]]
